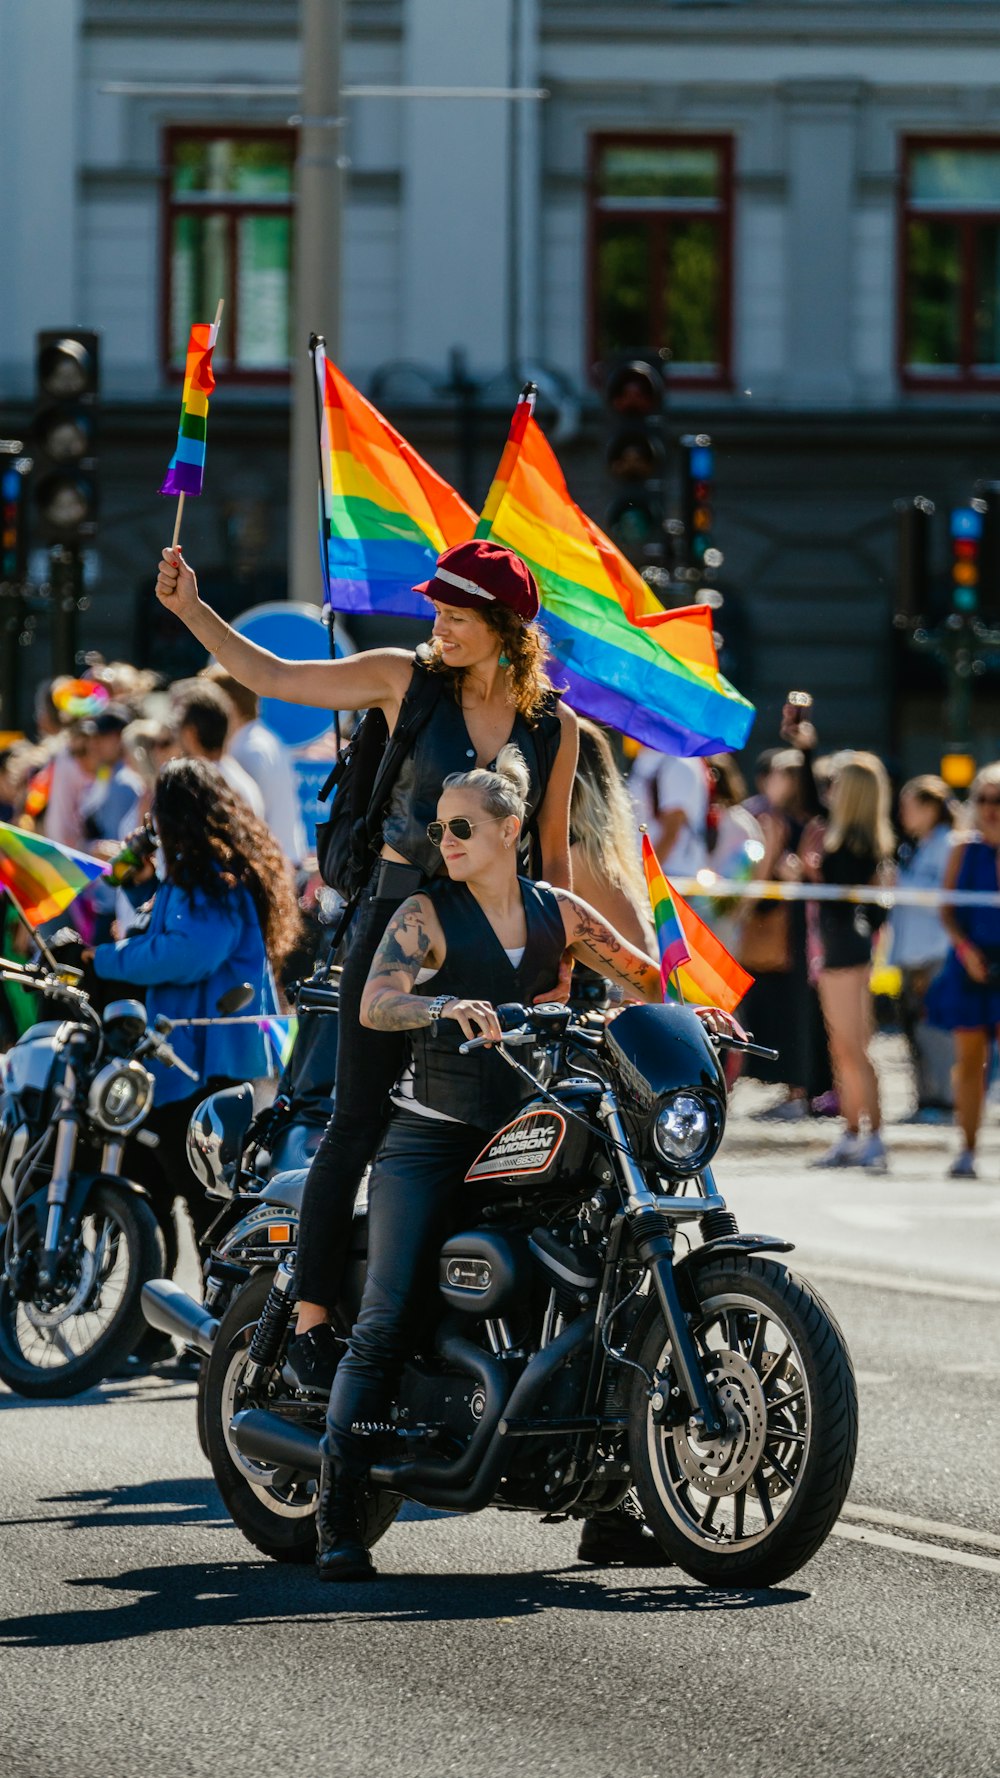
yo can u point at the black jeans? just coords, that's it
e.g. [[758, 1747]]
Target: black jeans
[[368, 1065], [414, 1201]]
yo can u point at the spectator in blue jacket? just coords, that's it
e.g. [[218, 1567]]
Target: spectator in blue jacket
[[223, 914]]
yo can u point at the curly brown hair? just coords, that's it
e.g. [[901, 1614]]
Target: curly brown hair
[[212, 840], [526, 646]]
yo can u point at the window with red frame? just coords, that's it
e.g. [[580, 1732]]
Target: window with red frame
[[229, 234], [950, 296], [661, 234]]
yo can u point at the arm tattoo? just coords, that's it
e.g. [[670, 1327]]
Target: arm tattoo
[[401, 954], [609, 953]]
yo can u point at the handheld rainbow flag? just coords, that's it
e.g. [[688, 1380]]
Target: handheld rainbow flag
[[706, 974], [42, 877], [385, 515], [186, 469], [651, 673]]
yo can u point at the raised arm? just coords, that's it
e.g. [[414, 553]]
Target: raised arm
[[378, 676], [413, 941], [553, 815], [593, 940]]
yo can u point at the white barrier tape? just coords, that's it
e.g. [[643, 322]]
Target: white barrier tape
[[706, 884]]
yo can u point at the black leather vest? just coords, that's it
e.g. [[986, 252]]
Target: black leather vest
[[442, 747], [481, 1089]]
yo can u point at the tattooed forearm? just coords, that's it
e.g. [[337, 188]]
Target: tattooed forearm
[[595, 942], [386, 1009]]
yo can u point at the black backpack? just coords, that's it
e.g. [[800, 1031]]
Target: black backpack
[[348, 843]]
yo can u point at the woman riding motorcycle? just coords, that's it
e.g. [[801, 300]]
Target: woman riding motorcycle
[[489, 658], [482, 936]]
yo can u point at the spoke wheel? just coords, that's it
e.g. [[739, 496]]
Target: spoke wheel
[[67, 1338], [274, 1509], [754, 1503]]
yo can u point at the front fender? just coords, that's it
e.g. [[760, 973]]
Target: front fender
[[36, 1209]]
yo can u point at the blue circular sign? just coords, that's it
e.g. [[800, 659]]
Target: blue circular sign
[[294, 633]]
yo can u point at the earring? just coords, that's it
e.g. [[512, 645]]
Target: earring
[[505, 660]]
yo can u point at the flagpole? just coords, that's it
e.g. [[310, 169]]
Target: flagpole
[[35, 937], [213, 336]]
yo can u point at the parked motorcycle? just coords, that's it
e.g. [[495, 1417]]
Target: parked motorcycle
[[79, 1237], [572, 1354]]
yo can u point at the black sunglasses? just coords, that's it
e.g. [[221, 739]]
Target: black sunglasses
[[459, 825]]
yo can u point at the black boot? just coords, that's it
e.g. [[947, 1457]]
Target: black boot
[[618, 1539], [341, 1552]]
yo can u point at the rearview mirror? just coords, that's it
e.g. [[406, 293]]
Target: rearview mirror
[[234, 1000]]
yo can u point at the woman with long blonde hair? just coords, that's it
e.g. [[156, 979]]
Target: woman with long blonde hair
[[854, 848], [603, 850]]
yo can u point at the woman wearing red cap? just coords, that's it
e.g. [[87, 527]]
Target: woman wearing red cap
[[490, 659]]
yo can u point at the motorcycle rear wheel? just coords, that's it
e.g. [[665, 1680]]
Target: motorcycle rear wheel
[[119, 1247], [752, 1507], [276, 1516]]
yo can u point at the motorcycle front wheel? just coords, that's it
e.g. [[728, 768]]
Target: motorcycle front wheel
[[69, 1337], [752, 1506], [274, 1509]]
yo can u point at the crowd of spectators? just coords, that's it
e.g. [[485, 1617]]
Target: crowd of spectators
[[88, 778]]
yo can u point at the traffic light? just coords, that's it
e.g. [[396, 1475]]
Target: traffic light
[[913, 596], [636, 461], [64, 436], [966, 554], [14, 471], [697, 493]]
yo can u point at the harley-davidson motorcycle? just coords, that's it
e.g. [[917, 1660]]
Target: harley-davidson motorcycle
[[600, 1328], [79, 1237]]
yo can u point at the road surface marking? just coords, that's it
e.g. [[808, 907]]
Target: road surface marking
[[878, 1515], [898, 1281], [908, 1546]]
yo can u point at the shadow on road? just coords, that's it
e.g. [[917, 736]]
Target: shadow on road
[[188, 1596], [187, 1500], [148, 1387]]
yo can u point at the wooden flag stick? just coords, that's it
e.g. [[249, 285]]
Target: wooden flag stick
[[175, 540]]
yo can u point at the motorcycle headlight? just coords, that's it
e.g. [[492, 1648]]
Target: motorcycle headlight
[[686, 1131], [120, 1096]]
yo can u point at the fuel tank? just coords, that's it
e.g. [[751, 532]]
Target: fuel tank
[[543, 1150]]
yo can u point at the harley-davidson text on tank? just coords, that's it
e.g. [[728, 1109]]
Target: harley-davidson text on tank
[[528, 1145]]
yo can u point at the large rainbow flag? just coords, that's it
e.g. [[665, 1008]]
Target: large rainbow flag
[[186, 469], [40, 876], [706, 975], [385, 515], [627, 662]]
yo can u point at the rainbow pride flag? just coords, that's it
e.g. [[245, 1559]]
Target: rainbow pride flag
[[706, 974], [385, 515], [42, 877], [186, 469], [669, 935], [627, 662]]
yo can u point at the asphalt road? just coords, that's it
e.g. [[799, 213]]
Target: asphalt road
[[140, 1635]]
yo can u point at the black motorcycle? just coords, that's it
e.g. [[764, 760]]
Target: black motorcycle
[[79, 1237], [571, 1353]]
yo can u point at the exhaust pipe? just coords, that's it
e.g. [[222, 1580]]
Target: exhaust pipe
[[169, 1309], [265, 1438]]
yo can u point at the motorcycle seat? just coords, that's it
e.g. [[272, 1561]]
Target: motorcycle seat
[[285, 1189]]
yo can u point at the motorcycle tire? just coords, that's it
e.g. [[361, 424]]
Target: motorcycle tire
[[138, 1229], [281, 1524], [752, 1507]]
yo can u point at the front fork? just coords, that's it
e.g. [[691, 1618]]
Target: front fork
[[58, 1193], [654, 1245]]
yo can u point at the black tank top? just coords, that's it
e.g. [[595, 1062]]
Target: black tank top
[[443, 746], [481, 1089]]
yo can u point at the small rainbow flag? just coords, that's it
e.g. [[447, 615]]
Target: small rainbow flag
[[385, 515], [186, 469], [40, 876], [651, 673], [706, 974], [281, 1034]]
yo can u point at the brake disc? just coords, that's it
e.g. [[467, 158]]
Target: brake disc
[[43, 1319], [724, 1465]]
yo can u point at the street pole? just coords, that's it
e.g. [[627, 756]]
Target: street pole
[[65, 590], [318, 211]]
